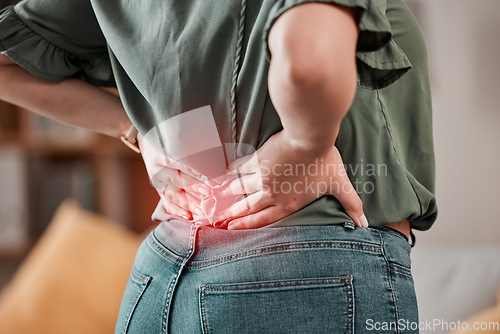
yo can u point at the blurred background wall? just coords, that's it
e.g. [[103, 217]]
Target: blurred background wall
[[463, 41]]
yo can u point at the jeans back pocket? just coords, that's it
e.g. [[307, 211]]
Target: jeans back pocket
[[136, 285], [312, 305]]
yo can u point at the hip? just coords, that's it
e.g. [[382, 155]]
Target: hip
[[197, 279]]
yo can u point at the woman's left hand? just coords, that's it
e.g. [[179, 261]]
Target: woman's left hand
[[276, 183]]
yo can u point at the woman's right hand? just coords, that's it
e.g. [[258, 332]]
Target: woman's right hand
[[177, 185]]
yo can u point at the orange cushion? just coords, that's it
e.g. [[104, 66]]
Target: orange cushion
[[73, 279]]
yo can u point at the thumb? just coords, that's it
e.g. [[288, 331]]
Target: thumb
[[351, 202], [353, 206], [343, 190]]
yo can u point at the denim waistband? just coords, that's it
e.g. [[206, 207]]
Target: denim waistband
[[178, 240]]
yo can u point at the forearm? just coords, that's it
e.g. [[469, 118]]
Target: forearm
[[312, 76], [72, 101]]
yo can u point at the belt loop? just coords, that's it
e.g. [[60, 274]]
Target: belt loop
[[413, 239], [349, 225], [173, 283]]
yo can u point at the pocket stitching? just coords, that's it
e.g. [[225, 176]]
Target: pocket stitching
[[344, 282], [204, 326], [139, 278], [400, 269], [142, 281], [309, 282]]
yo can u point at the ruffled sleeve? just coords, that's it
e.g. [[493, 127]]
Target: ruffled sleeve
[[380, 61], [55, 42]]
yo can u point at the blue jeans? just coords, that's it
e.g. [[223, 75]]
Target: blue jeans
[[299, 279]]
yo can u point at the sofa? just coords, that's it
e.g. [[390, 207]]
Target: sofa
[[73, 279]]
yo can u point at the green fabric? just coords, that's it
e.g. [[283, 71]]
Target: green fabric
[[170, 57]]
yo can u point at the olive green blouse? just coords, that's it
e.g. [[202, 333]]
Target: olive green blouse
[[169, 57]]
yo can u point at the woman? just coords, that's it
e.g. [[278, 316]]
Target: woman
[[303, 82]]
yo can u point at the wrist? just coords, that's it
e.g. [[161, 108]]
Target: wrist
[[308, 145], [314, 157]]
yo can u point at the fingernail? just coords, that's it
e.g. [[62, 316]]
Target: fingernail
[[364, 221], [186, 217], [231, 226]]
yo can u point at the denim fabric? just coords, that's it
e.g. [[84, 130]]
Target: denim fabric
[[299, 279]]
